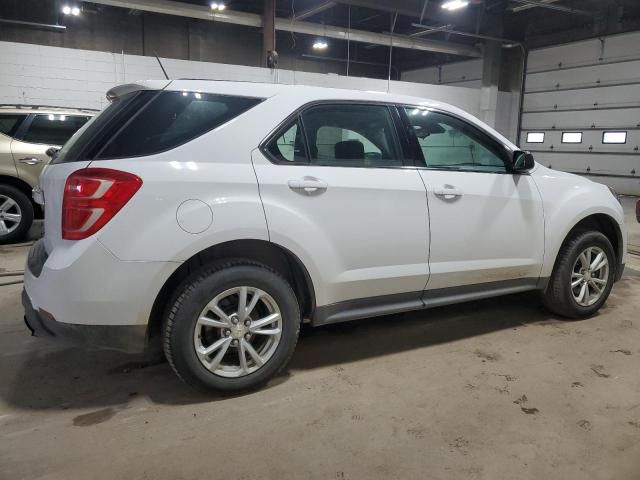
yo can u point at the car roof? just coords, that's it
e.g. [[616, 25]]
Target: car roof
[[262, 89], [26, 109], [306, 94]]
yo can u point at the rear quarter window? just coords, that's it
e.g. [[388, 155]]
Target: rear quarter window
[[171, 119], [9, 123], [53, 129]]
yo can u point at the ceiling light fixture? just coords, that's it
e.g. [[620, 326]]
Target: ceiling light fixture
[[69, 10], [320, 45], [455, 4]]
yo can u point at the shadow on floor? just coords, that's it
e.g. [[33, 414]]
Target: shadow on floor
[[71, 378]]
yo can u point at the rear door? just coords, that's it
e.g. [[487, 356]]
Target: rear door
[[337, 193], [40, 132], [9, 125]]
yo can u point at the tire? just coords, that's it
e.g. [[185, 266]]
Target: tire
[[183, 332], [16, 203], [560, 297]]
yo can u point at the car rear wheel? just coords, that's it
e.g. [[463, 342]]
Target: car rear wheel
[[16, 214], [582, 277], [233, 326]]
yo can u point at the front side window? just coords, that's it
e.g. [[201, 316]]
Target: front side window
[[171, 119], [53, 129], [452, 144], [10, 122], [351, 136]]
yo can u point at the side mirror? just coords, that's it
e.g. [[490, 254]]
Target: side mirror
[[522, 161], [51, 151]]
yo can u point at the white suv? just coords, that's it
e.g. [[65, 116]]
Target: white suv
[[217, 216]]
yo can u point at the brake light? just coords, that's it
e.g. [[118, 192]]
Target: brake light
[[92, 197]]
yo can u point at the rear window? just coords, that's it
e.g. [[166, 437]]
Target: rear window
[[91, 138], [148, 122], [9, 123], [53, 129]]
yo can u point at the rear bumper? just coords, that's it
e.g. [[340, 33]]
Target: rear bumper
[[125, 338], [80, 293]]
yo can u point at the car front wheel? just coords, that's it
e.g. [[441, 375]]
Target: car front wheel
[[582, 277], [16, 214], [233, 326]]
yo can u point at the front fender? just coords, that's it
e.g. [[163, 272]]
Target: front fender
[[568, 199]]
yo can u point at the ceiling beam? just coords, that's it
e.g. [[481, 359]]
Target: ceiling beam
[[420, 9], [551, 6], [431, 30], [522, 8], [309, 12], [169, 7], [468, 34]]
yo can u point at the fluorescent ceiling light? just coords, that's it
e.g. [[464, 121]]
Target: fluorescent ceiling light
[[454, 4]]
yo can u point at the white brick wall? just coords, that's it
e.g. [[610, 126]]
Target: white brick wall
[[36, 74]]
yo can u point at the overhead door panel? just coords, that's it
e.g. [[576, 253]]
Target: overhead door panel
[[590, 92]]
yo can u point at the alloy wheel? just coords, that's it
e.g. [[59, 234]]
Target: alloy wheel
[[10, 215], [238, 331], [589, 276]]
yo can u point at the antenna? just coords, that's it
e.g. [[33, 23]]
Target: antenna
[[160, 63]]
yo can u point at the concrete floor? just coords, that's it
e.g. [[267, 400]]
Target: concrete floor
[[496, 389]]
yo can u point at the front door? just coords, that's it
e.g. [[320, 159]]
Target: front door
[[487, 225]]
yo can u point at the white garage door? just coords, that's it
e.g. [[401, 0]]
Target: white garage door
[[581, 110]]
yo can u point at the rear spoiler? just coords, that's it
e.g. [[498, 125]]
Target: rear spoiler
[[121, 90]]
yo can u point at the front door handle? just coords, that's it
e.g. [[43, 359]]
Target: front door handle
[[447, 191], [308, 184], [30, 160]]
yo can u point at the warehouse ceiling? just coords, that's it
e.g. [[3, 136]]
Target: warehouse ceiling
[[462, 31]]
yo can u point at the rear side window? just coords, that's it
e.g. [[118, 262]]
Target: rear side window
[[92, 137], [10, 122], [351, 136], [289, 146], [53, 129], [171, 119]]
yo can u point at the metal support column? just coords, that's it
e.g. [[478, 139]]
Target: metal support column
[[268, 30]]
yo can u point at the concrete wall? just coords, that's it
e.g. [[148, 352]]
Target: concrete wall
[[461, 74], [35, 74], [469, 74], [107, 29]]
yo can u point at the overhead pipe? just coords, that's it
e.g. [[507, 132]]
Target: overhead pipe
[[168, 7]]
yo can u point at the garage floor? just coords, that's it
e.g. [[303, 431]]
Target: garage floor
[[491, 390]]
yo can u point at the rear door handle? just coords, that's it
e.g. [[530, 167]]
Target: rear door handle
[[447, 191], [30, 160], [308, 184]]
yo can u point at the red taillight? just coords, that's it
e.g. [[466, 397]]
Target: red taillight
[[92, 196]]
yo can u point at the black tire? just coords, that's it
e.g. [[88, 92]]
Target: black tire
[[192, 297], [558, 296], [26, 210]]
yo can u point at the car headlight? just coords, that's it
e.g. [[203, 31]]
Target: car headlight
[[613, 192]]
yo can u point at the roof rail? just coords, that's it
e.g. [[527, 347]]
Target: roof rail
[[36, 107]]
